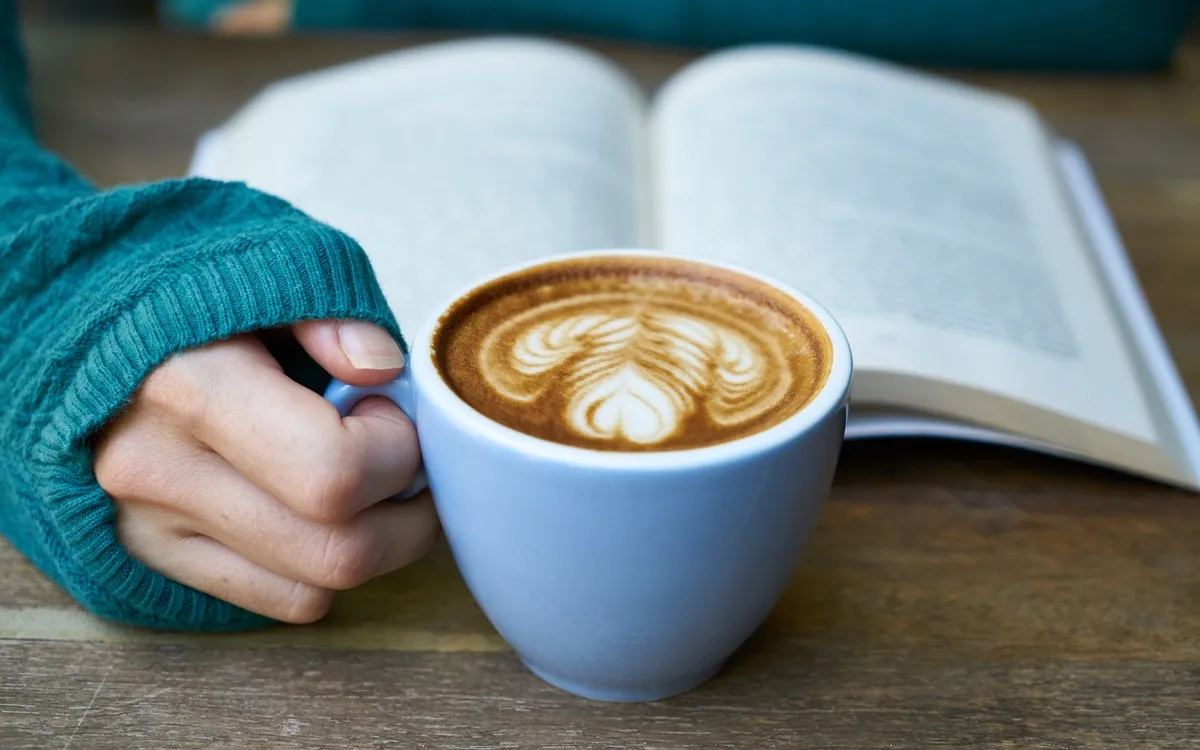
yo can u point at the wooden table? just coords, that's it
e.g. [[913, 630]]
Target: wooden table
[[952, 595]]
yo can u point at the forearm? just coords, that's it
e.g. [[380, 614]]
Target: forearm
[[97, 289]]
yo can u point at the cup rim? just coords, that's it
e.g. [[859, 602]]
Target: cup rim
[[834, 394]]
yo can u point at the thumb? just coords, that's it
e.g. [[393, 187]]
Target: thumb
[[353, 351]]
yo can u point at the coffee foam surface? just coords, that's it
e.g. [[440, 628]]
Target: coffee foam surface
[[632, 354]]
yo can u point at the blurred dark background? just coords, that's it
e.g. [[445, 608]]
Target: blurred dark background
[[145, 11], [1045, 35]]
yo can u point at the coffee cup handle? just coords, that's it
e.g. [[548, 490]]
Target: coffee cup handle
[[400, 391]]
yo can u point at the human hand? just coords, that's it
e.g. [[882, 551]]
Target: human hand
[[233, 479]]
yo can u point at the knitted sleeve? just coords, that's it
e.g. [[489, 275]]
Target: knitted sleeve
[[97, 288]]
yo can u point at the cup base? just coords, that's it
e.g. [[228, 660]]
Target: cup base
[[655, 692]]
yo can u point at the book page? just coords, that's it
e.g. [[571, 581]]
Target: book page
[[452, 161], [925, 214]]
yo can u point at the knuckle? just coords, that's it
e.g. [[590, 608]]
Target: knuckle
[[153, 538], [344, 560], [121, 468], [135, 533], [176, 387], [389, 426], [305, 604], [328, 492]]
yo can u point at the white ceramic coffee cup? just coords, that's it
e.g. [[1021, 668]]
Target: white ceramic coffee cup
[[622, 576]]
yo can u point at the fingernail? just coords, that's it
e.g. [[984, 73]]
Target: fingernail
[[369, 347]]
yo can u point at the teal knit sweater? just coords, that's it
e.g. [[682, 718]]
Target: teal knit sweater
[[97, 288]]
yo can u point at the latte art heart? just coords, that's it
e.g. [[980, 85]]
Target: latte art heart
[[632, 354], [628, 369]]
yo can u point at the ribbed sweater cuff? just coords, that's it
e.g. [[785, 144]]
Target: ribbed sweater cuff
[[303, 272]]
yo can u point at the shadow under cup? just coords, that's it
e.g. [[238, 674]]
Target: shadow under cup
[[623, 576]]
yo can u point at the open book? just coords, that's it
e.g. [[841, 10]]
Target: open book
[[966, 251]]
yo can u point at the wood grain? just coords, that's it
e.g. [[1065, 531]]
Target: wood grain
[[932, 546], [150, 697], [952, 595]]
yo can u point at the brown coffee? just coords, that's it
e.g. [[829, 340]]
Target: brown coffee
[[623, 353]]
